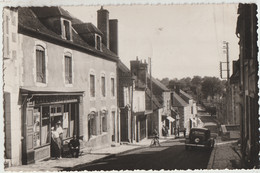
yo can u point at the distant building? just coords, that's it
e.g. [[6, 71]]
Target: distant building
[[186, 108], [161, 117], [58, 68]]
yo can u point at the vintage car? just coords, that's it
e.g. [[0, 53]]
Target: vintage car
[[199, 137]]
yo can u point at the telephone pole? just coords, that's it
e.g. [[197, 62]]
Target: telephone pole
[[226, 51]]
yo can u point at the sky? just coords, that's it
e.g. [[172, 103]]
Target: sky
[[182, 40]]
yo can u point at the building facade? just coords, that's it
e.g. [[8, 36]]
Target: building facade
[[248, 88], [57, 69]]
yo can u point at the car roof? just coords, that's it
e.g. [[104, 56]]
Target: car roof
[[199, 128]]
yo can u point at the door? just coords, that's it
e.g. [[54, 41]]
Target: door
[[28, 141], [113, 126]]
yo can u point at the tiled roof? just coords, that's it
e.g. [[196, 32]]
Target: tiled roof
[[123, 67], [156, 103], [178, 101], [45, 12], [159, 84], [83, 28], [30, 23], [185, 96]]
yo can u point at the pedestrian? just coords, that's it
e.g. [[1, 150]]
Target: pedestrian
[[74, 146], [56, 143], [178, 131], [60, 131], [184, 132]]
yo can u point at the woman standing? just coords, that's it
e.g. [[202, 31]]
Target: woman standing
[[56, 142]]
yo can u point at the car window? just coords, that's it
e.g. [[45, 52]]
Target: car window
[[198, 132]]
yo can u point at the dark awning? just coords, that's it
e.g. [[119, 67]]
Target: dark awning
[[45, 91]]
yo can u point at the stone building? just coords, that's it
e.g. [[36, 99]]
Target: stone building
[[58, 68]]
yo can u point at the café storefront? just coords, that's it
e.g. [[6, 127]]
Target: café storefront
[[41, 111]]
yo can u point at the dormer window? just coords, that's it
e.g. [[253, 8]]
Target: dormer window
[[66, 29], [98, 42]]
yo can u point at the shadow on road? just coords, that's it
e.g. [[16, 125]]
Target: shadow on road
[[168, 157]]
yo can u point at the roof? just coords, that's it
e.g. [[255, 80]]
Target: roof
[[178, 101], [185, 95], [159, 84], [156, 103], [45, 12], [123, 67], [31, 24], [83, 28]]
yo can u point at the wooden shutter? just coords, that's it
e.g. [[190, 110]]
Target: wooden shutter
[[29, 129]]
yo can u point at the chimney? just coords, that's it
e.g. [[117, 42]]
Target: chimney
[[103, 25], [113, 35]]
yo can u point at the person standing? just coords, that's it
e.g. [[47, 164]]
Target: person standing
[[60, 132], [56, 143]]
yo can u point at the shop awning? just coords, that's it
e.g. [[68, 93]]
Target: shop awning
[[170, 119], [45, 91]]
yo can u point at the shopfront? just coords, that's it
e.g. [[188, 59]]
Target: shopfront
[[43, 110]]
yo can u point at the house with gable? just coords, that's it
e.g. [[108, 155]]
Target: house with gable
[[184, 105], [161, 118], [58, 68]]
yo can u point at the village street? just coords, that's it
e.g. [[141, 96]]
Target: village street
[[170, 155]]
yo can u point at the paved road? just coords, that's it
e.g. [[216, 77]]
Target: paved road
[[170, 155]]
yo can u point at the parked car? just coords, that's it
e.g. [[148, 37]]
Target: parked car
[[229, 132], [199, 137], [213, 127]]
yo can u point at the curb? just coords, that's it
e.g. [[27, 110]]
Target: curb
[[212, 158]]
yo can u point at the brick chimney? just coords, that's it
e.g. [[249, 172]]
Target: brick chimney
[[103, 25], [113, 35]]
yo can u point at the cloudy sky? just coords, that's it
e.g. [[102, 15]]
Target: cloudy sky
[[182, 40]]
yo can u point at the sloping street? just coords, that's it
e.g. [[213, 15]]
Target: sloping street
[[170, 155]]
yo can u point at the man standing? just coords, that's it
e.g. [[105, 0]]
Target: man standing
[[60, 132]]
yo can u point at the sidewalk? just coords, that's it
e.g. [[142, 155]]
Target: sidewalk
[[225, 155], [87, 157]]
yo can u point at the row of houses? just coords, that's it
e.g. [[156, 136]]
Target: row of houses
[[244, 108], [58, 68]]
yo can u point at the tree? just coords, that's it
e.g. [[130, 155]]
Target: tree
[[211, 86], [165, 81]]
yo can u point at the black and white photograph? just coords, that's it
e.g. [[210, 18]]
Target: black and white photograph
[[108, 87]]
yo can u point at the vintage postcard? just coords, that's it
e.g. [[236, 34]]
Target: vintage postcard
[[130, 86]]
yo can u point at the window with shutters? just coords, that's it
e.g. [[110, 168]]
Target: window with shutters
[[113, 87], [103, 85], [92, 85], [40, 64], [92, 130], [98, 43], [68, 69], [103, 123], [66, 29]]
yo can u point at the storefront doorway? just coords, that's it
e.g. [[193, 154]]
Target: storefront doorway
[[39, 115]]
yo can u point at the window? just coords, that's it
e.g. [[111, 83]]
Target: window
[[103, 86], [40, 64], [103, 123], [91, 124], [68, 69], [112, 87], [92, 85], [41, 118], [98, 42], [67, 34]]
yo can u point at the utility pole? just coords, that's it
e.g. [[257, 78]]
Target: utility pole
[[226, 51], [151, 85]]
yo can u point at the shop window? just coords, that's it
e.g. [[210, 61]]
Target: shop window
[[113, 87], [41, 127], [103, 86], [92, 85], [40, 64], [68, 69]]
